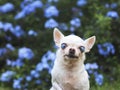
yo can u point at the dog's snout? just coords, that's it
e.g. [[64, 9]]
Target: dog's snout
[[72, 51]]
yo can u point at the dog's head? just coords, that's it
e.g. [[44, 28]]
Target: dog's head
[[72, 47]]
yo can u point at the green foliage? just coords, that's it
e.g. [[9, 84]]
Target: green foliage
[[107, 86]]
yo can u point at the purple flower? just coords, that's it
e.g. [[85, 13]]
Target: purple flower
[[63, 26], [17, 83], [7, 76], [91, 66], [32, 33], [39, 67], [34, 74], [7, 26], [105, 49], [28, 78], [112, 14], [72, 29], [1, 25], [80, 13], [94, 66], [99, 78], [107, 5], [9, 46], [17, 31], [114, 5], [20, 15], [48, 56], [14, 63], [52, 1], [51, 11], [8, 7], [38, 81], [81, 2], [8, 62], [37, 4], [3, 51], [75, 22], [47, 60], [18, 62], [25, 53], [29, 8], [51, 23]]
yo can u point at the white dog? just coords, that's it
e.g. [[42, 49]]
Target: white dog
[[69, 72]]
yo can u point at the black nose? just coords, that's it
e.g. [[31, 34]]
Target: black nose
[[71, 51]]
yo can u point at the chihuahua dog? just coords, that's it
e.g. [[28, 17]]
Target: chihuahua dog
[[69, 72]]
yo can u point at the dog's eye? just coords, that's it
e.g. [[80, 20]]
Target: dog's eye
[[63, 45], [82, 48]]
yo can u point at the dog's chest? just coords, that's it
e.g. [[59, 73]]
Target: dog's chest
[[70, 79], [70, 82]]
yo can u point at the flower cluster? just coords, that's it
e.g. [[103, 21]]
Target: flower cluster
[[14, 63], [15, 30], [99, 78], [92, 69], [8, 7], [75, 23], [112, 14], [51, 11], [46, 62], [3, 51], [7, 76], [81, 2], [16, 83], [32, 33], [25, 53], [106, 49], [28, 7], [51, 23]]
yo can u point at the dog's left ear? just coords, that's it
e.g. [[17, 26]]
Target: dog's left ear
[[89, 43], [57, 36]]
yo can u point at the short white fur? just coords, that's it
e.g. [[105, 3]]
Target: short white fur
[[69, 73]]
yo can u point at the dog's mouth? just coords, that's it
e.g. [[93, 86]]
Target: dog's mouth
[[71, 56]]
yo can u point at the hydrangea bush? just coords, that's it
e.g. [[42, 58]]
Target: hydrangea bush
[[27, 50]]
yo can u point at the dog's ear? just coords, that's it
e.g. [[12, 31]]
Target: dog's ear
[[57, 36], [89, 43]]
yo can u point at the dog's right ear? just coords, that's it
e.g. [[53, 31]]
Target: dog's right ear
[[57, 37]]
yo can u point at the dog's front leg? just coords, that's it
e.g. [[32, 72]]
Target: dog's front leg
[[55, 86]]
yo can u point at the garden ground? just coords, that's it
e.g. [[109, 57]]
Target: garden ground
[[106, 86]]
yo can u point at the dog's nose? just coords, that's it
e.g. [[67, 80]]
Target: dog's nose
[[71, 51]]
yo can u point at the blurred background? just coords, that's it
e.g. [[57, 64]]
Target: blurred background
[[27, 50]]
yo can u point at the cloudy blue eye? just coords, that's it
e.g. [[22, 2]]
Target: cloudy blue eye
[[63, 45], [82, 48]]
